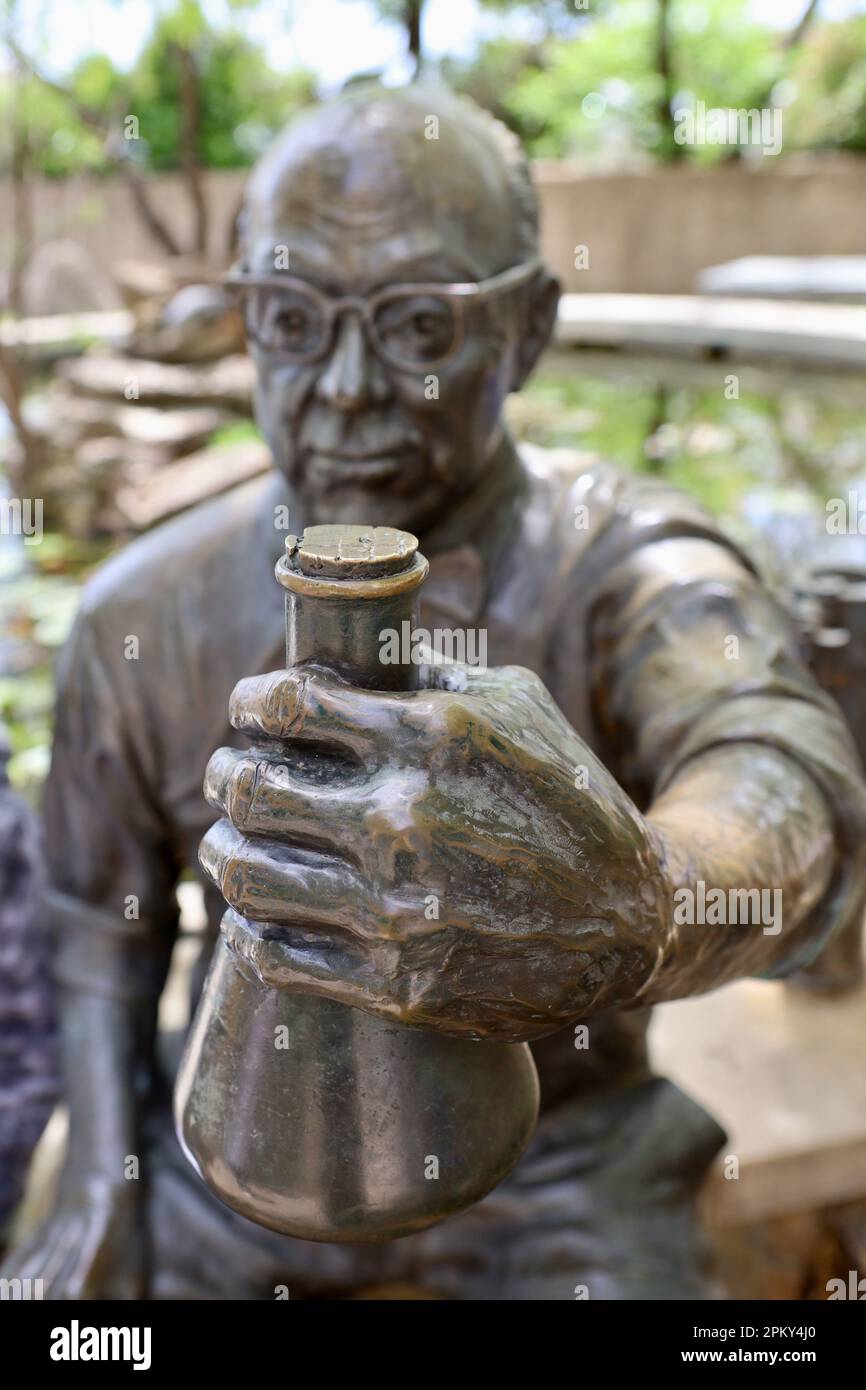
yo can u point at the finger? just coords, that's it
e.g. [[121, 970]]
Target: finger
[[437, 672], [286, 963], [69, 1262], [64, 1237], [276, 883], [82, 1278], [31, 1260], [306, 703], [476, 680], [262, 797], [81, 1275]]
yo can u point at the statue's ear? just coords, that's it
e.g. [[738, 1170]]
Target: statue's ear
[[540, 299]]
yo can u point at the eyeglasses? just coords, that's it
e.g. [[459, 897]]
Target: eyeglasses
[[411, 327]]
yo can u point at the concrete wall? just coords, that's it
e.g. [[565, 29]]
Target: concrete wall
[[651, 233], [646, 232], [98, 213]]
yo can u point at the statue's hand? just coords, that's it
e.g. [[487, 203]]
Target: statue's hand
[[90, 1246], [462, 862]]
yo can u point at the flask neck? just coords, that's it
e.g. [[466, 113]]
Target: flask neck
[[357, 638], [352, 603]]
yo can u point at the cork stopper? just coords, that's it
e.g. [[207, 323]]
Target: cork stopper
[[351, 562], [351, 552]]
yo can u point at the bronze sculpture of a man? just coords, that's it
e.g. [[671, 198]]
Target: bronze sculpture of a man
[[659, 734]]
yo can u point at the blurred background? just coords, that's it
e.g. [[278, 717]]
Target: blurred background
[[701, 168]]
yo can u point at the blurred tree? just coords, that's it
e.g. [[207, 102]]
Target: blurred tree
[[195, 98], [239, 102], [604, 84], [554, 18], [408, 14], [19, 169], [828, 107], [787, 51], [491, 77], [20, 160], [666, 146], [202, 98]]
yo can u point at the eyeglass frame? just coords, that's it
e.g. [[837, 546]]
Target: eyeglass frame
[[365, 306]]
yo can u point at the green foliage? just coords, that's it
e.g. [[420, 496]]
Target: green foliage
[[829, 111], [238, 432], [492, 78], [37, 608], [241, 101], [778, 434], [586, 85], [59, 143], [595, 92]]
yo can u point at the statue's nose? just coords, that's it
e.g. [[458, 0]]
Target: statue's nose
[[352, 377]]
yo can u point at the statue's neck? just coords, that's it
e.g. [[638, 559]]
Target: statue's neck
[[482, 516]]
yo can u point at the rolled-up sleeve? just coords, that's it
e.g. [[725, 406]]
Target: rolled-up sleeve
[[689, 652]]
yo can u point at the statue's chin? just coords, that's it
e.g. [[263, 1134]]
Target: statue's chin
[[409, 501], [361, 505]]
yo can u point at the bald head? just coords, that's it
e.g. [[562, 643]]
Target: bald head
[[417, 170]]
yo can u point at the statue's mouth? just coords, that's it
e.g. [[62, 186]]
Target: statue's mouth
[[365, 469]]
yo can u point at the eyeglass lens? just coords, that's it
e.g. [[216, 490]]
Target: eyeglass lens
[[409, 329]]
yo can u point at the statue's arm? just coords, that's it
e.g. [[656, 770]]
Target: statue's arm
[[112, 914], [501, 872], [749, 774]]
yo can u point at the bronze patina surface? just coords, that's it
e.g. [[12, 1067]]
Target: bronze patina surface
[[306, 1115], [645, 725]]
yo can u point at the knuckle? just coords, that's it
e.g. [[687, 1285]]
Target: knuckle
[[214, 775], [267, 705], [239, 791], [234, 880], [230, 779], [212, 853], [241, 700]]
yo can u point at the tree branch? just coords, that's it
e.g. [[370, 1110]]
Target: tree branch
[[189, 137], [798, 33], [96, 122], [12, 394], [664, 66]]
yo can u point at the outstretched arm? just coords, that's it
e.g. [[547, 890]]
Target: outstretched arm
[[753, 781], [467, 863]]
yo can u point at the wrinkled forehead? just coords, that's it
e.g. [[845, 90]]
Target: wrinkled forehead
[[360, 190]]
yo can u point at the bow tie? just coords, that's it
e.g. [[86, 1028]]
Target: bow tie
[[455, 588]]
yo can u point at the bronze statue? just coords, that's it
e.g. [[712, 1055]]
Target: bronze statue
[[644, 748]]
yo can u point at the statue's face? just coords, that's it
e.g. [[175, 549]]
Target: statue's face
[[356, 206]]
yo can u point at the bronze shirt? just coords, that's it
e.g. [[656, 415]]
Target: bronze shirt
[[556, 574]]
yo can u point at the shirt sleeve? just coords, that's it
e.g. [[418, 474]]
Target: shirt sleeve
[[111, 871], [688, 652]]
